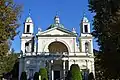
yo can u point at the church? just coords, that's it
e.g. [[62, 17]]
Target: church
[[56, 48]]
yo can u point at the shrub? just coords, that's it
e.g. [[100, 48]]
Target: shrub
[[23, 76], [75, 72], [43, 73], [91, 76], [36, 76], [68, 77]]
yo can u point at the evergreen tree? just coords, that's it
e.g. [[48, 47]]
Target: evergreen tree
[[68, 76], [43, 74], [9, 16], [23, 76], [91, 76], [75, 72], [8, 64], [107, 31], [36, 76]]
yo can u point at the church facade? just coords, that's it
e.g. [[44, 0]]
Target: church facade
[[56, 49]]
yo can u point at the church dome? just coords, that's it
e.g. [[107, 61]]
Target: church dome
[[56, 23], [29, 19], [85, 19]]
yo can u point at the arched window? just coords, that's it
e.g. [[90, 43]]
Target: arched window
[[86, 47], [86, 28], [28, 29]]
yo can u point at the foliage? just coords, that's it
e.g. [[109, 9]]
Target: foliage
[[23, 76], [7, 63], [9, 16], [15, 70], [36, 76], [68, 76], [107, 31], [75, 72], [91, 76], [43, 74]]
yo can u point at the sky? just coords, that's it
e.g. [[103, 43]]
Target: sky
[[43, 12]]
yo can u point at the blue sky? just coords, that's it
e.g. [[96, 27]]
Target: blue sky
[[43, 12]]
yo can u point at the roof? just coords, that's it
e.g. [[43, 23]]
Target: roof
[[55, 25], [64, 30], [29, 19]]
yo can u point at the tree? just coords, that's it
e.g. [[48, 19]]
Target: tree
[[9, 16], [98, 70], [23, 76], [107, 32], [15, 70], [75, 72], [91, 76], [43, 74], [7, 64], [68, 75], [36, 76]]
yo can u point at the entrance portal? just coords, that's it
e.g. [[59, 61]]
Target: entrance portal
[[58, 66], [56, 75]]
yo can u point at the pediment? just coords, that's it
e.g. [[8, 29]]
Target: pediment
[[57, 31]]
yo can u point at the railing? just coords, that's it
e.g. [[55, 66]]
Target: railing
[[57, 54]]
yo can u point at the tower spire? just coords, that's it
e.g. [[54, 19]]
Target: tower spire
[[29, 12], [84, 13], [56, 19]]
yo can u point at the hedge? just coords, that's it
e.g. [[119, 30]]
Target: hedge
[[23, 76], [36, 76], [75, 72], [43, 74]]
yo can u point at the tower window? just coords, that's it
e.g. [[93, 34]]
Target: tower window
[[28, 29], [27, 47], [86, 47], [86, 28]]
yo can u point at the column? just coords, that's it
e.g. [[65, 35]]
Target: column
[[64, 69], [52, 70]]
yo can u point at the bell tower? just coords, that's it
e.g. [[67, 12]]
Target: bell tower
[[27, 38], [86, 42], [28, 25]]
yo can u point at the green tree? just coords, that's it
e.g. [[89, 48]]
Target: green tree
[[9, 16], [7, 63], [107, 32], [43, 74], [36, 76], [68, 75], [15, 70], [91, 76], [75, 72], [23, 76]]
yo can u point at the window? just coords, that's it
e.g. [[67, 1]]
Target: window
[[27, 47], [86, 47], [28, 29], [86, 28]]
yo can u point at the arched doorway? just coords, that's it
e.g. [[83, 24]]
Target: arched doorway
[[57, 46], [58, 66]]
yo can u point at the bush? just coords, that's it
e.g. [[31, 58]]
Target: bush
[[91, 76], [43, 74], [68, 76], [75, 72], [23, 76], [36, 76]]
